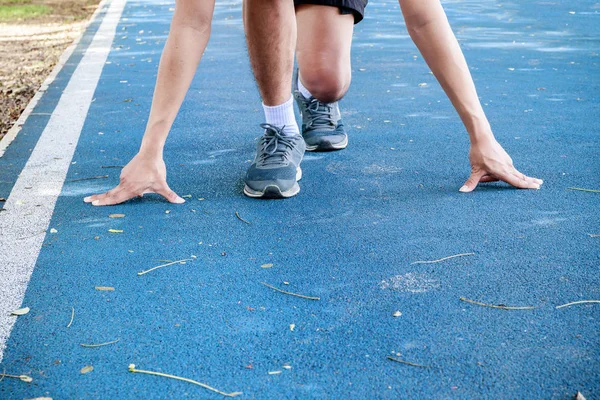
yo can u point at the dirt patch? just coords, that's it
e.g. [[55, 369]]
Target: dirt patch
[[31, 44]]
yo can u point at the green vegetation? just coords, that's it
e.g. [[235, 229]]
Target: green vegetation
[[22, 11]]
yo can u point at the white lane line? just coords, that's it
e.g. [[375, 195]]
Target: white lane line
[[16, 128], [28, 211]]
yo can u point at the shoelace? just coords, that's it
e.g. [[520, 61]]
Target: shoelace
[[275, 145], [321, 115]]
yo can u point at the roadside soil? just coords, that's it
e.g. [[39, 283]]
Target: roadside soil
[[31, 47]]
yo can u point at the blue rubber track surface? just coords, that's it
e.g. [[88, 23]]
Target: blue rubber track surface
[[363, 217]]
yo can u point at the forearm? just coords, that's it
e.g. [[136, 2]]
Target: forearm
[[188, 37], [429, 29]]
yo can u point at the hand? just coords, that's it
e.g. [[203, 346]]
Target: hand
[[489, 163], [143, 174]]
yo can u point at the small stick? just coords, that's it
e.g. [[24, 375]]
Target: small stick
[[29, 237], [290, 293], [578, 302], [502, 307], [89, 179], [406, 362], [72, 316], [100, 345], [24, 378], [443, 259], [584, 190], [242, 219], [112, 166], [165, 265], [205, 386], [594, 234]]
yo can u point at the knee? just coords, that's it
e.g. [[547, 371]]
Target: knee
[[326, 83], [193, 14]]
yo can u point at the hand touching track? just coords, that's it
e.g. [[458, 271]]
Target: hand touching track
[[142, 175], [490, 162]]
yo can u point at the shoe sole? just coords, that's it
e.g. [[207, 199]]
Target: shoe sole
[[328, 146], [273, 191]]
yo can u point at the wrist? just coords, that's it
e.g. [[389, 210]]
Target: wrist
[[151, 150], [479, 130]]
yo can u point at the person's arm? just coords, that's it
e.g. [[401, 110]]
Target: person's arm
[[429, 29], [146, 172]]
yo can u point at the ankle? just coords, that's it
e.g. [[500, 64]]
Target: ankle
[[282, 116]]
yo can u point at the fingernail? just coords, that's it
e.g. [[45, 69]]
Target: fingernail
[[95, 202], [464, 189], [87, 199], [180, 200]]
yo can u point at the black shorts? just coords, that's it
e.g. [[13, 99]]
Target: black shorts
[[354, 7]]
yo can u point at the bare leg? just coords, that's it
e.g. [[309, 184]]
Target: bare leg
[[323, 51], [271, 35]]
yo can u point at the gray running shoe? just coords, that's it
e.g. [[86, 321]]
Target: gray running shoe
[[322, 127], [275, 171]]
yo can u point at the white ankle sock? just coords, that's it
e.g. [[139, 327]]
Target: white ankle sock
[[283, 116], [303, 89]]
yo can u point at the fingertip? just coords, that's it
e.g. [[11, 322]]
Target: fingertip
[[87, 199], [179, 200], [465, 189], [96, 202]]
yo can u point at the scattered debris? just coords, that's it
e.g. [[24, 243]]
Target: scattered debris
[[187, 196], [422, 84], [443, 259], [266, 265], [406, 362], [20, 311], [397, 314], [579, 396], [2, 199], [100, 344], [115, 230], [167, 211], [286, 366], [105, 288], [24, 378], [72, 317], [53, 230], [116, 216], [578, 302], [89, 179], [500, 306], [584, 190], [86, 369], [274, 372], [292, 327], [165, 265], [112, 166], [594, 235], [237, 214], [290, 293], [205, 386]]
